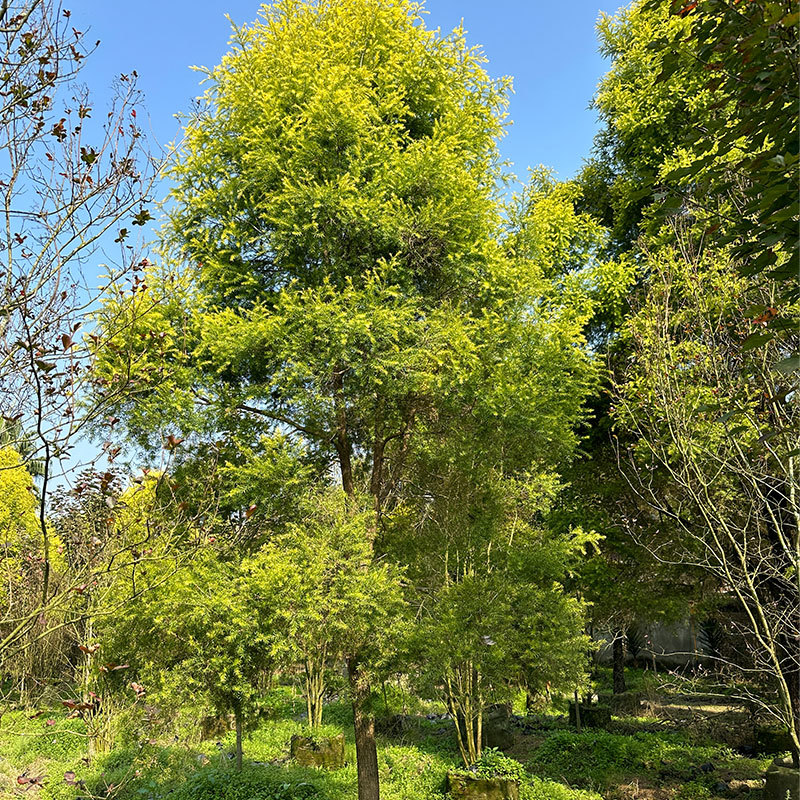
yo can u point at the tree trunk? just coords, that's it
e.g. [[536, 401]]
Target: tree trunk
[[618, 651], [238, 718], [315, 688], [366, 749], [342, 441], [789, 649], [309, 703], [363, 721], [476, 682], [530, 703], [456, 712], [577, 712]]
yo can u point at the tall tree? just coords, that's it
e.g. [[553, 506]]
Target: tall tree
[[700, 131], [347, 281], [67, 179], [714, 451], [745, 159], [335, 203], [692, 172]]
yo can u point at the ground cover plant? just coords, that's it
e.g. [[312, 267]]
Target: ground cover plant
[[548, 757]]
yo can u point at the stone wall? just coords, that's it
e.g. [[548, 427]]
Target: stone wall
[[673, 645]]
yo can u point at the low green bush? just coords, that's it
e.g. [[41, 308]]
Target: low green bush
[[596, 758], [541, 789], [408, 773], [252, 783], [495, 764], [60, 741], [694, 790]]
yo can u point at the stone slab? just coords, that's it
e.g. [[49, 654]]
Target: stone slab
[[466, 787], [327, 753], [783, 781]]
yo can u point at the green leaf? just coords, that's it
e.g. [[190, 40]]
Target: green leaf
[[142, 218], [756, 340], [733, 432], [788, 365]]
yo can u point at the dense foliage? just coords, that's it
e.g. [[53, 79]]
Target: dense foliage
[[414, 452]]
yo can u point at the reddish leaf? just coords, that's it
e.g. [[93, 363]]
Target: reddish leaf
[[767, 316], [173, 441], [24, 780]]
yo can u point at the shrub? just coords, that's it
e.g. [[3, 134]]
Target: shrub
[[598, 757], [494, 764], [249, 784], [540, 789], [64, 739], [410, 774], [693, 790]]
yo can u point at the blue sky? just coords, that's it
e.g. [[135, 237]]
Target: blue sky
[[550, 49]]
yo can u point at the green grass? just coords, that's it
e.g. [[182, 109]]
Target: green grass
[[559, 764], [599, 759]]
